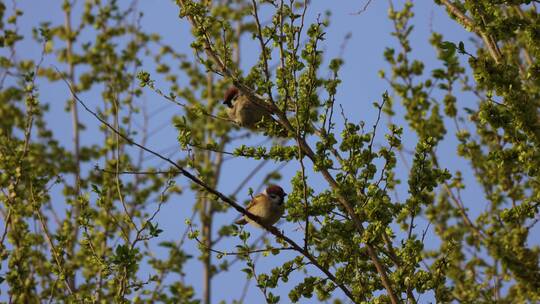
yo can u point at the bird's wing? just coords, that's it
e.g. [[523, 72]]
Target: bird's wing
[[255, 200]]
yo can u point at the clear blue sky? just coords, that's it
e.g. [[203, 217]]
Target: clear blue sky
[[361, 86]]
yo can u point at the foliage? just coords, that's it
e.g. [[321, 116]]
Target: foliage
[[90, 242]]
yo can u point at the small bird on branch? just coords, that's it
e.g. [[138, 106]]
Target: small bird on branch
[[244, 111], [249, 113], [268, 206]]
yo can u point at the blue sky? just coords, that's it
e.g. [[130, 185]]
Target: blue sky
[[360, 87]]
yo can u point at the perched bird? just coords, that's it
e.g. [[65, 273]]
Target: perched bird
[[244, 111], [268, 206]]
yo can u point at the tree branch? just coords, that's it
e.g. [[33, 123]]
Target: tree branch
[[490, 43]]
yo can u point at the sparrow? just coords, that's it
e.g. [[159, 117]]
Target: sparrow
[[268, 206], [244, 111]]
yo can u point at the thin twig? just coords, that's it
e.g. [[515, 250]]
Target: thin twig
[[363, 9], [226, 253]]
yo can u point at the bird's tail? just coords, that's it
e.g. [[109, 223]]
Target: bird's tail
[[241, 221]]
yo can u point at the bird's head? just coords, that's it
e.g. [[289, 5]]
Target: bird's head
[[275, 193], [231, 94]]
